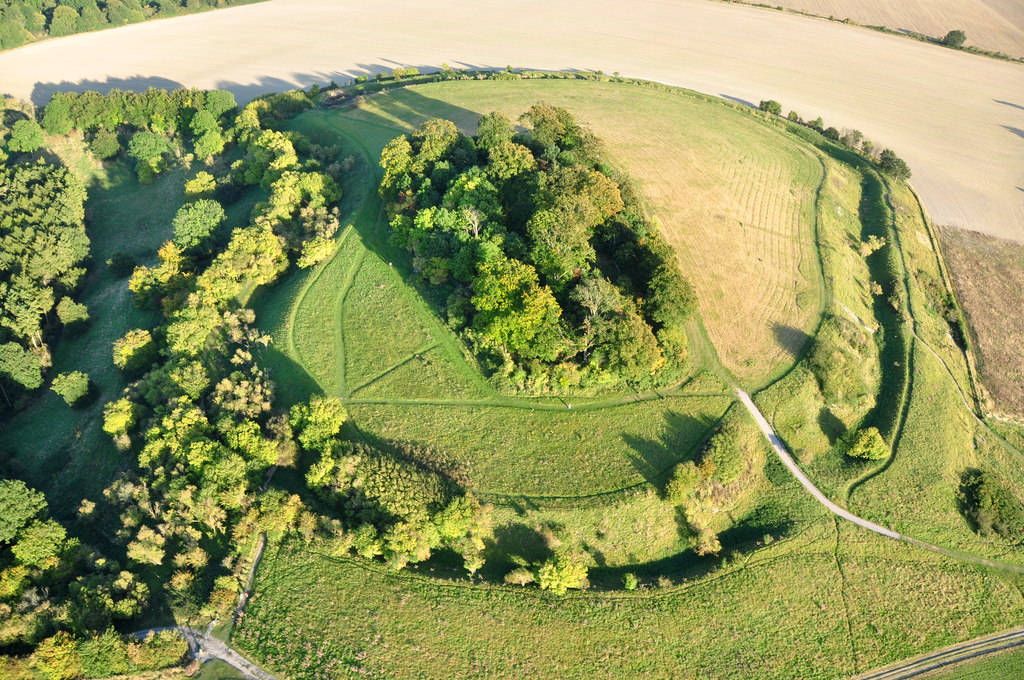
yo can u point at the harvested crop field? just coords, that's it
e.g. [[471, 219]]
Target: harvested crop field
[[959, 141], [988, 274], [996, 25]]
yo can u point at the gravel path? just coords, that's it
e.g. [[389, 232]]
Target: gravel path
[[204, 647]]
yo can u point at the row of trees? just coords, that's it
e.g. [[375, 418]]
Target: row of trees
[[549, 265], [886, 159], [43, 245], [24, 21]]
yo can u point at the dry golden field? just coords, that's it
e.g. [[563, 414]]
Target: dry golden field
[[988, 274], [996, 25]]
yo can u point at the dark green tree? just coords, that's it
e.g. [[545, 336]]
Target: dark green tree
[[954, 39], [196, 222], [26, 135]]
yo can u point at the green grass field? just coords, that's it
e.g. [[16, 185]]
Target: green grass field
[[794, 594]]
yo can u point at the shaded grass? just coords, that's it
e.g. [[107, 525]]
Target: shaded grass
[[551, 452], [59, 450]]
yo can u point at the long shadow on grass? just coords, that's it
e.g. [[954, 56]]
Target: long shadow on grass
[[654, 458]]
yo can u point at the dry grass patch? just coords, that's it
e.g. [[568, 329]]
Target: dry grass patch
[[988, 274]]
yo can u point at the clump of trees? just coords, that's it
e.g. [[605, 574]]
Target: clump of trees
[[390, 505], [954, 39], [714, 480], [886, 159], [548, 264], [24, 21], [990, 507], [42, 248]]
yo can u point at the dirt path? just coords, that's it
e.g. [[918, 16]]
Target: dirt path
[[972, 649], [204, 647], [957, 118], [783, 453]]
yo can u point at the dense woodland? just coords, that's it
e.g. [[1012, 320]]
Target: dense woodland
[[546, 260], [198, 416], [24, 21]]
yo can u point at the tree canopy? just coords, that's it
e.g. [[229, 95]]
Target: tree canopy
[[550, 268]]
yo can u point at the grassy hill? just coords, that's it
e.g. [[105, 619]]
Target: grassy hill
[[769, 223]]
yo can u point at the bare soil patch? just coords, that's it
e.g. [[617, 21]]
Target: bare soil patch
[[988, 274]]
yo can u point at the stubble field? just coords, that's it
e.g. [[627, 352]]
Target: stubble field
[[996, 25]]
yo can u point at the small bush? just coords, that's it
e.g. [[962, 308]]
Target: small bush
[[105, 145], [771, 106], [72, 387], [71, 312], [868, 445]]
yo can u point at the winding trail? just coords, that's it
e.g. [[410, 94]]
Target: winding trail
[[787, 459]]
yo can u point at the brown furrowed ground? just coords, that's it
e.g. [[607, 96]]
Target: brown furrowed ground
[[995, 25], [988, 274]]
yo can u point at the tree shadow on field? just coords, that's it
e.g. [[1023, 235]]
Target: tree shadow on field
[[744, 102], [655, 458], [1016, 131], [792, 340], [1011, 104], [42, 92]]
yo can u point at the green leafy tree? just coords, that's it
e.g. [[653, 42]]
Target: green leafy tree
[[203, 183], [512, 307], [146, 146], [26, 135], [64, 21], [195, 223], [493, 130], [72, 387], [954, 39], [18, 506], [71, 312], [20, 365], [135, 351], [893, 165], [560, 573], [771, 106], [318, 421], [868, 445], [56, 658], [105, 144], [40, 543]]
